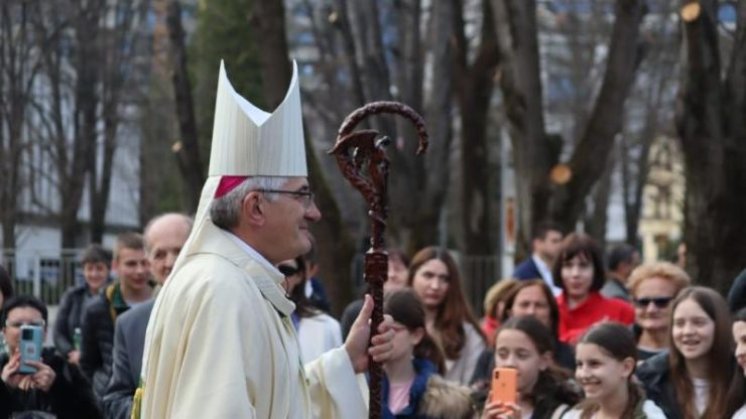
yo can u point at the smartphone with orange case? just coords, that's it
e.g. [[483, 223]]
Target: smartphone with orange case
[[505, 385]]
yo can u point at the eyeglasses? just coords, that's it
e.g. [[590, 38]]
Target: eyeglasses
[[18, 324], [305, 197], [288, 270], [660, 302]]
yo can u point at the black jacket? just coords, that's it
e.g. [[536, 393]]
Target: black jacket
[[655, 375], [98, 337], [69, 317], [69, 397]]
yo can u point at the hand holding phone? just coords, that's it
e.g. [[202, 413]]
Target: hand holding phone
[[30, 347], [504, 385]]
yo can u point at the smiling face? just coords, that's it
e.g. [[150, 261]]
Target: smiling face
[[693, 331], [287, 222], [95, 274], [652, 299], [514, 349], [430, 283], [132, 267], [577, 276], [601, 375]]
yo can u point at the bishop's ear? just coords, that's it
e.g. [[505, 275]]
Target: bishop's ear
[[253, 208]]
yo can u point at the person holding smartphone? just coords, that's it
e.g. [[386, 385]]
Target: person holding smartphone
[[54, 387], [543, 390]]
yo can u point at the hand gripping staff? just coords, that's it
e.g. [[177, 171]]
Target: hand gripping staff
[[362, 153]]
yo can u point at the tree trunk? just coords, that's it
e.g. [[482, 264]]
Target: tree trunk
[[598, 218], [187, 154], [534, 153], [712, 125], [474, 91], [432, 174], [520, 81], [72, 179], [334, 262]]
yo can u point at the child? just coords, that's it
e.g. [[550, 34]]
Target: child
[[692, 379], [411, 387], [606, 357], [525, 344]]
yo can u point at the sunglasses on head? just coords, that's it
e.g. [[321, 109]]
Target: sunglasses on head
[[288, 270], [660, 302]]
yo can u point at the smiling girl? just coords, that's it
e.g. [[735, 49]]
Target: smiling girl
[[435, 279], [580, 272], [525, 344], [692, 379], [606, 356]]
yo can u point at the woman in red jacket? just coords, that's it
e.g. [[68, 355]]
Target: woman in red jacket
[[579, 272]]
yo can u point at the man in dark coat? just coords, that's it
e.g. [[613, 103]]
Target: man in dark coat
[[132, 288], [164, 237], [545, 245]]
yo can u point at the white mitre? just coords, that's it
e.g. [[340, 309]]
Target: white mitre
[[246, 141]]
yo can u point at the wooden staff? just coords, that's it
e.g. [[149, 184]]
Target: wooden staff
[[360, 153]]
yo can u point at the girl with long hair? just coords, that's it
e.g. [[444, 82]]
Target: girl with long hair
[[606, 357], [527, 345], [692, 379], [412, 387], [579, 271], [435, 279]]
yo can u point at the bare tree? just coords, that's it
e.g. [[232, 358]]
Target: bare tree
[[188, 153], [121, 61], [19, 66], [474, 85], [711, 121], [535, 151]]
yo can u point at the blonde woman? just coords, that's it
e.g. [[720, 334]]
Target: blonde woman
[[653, 286]]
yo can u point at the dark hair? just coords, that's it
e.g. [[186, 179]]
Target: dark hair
[[303, 307], [453, 311], [6, 284], [405, 308], [541, 230], [579, 244], [619, 254], [737, 388], [552, 383], [553, 307], [20, 301], [400, 255], [95, 253], [617, 341], [130, 240], [720, 353]]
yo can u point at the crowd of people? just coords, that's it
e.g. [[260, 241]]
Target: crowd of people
[[662, 348], [221, 316]]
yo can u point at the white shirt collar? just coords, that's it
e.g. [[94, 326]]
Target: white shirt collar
[[546, 274], [254, 254]]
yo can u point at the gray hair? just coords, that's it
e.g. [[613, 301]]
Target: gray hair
[[225, 210]]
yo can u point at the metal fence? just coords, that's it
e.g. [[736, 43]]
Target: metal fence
[[44, 274]]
